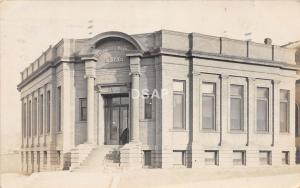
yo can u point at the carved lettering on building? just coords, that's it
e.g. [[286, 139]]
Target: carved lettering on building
[[113, 51]]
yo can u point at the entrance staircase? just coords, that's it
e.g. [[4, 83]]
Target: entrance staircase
[[105, 158]]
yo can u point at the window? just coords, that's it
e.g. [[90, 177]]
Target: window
[[211, 157], [29, 119], [179, 158], [45, 157], [285, 158], [147, 158], [208, 106], [178, 104], [148, 107], [265, 157], [34, 116], [284, 110], [48, 111], [59, 109], [83, 109], [239, 158], [236, 108], [41, 114], [262, 109]]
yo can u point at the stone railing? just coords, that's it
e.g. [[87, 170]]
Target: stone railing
[[225, 46], [61, 49]]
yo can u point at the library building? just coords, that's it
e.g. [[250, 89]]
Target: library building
[[164, 99]]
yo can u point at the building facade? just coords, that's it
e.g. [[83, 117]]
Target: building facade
[[296, 47], [158, 100]]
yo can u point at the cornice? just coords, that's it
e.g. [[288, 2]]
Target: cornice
[[222, 57]]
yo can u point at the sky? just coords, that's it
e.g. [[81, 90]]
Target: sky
[[27, 28]]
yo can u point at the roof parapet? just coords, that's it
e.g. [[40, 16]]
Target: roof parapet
[[64, 48]]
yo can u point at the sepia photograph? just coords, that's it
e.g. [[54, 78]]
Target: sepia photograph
[[149, 93]]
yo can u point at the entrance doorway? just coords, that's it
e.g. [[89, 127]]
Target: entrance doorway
[[116, 119]]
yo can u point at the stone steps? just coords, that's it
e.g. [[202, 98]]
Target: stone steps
[[101, 159], [80, 154]]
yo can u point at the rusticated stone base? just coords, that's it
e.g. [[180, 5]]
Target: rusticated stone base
[[131, 156]]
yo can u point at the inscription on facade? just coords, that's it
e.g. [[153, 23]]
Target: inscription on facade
[[113, 51]]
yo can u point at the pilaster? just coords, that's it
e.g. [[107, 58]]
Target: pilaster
[[23, 123], [276, 113], [68, 124], [224, 108], [90, 76], [251, 110], [100, 120], [52, 85], [45, 116], [158, 115], [196, 145], [27, 121], [31, 120], [225, 153], [38, 117]]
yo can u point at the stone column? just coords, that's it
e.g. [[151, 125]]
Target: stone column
[[135, 124], [90, 66], [131, 154]]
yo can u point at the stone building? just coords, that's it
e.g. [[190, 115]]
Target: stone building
[[296, 47], [158, 100]]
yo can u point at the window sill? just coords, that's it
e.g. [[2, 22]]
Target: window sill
[[263, 132], [59, 132], [237, 132], [146, 120], [209, 131], [178, 130], [284, 133]]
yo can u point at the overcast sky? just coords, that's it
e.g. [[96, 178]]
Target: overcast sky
[[27, 28]]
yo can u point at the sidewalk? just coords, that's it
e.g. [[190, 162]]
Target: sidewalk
[[245, 177]]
